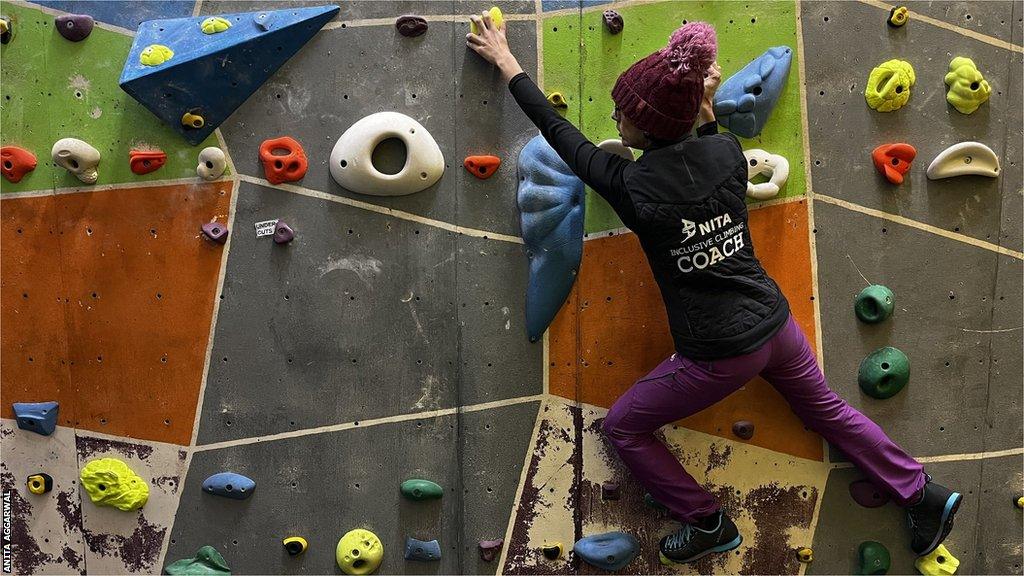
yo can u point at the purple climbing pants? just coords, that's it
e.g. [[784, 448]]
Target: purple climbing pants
[[679, 387]]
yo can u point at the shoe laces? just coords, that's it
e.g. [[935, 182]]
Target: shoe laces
[[680, 538]]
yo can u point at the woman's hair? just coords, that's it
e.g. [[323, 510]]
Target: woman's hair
[[692, 47]]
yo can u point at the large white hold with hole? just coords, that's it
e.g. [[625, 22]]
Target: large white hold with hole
[[964, 159], [352, 157]]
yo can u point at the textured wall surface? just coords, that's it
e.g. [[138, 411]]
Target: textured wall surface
[[387, 341]]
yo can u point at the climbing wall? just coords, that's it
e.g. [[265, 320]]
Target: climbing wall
[[387, 341]]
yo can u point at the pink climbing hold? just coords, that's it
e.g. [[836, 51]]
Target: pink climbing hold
[[283, 233], [865, 493], [216, 231]]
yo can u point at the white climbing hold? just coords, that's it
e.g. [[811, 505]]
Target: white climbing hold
[[963, 159], [352, 166], [615, 146], [773, 166], [212, 163], [78, 157]]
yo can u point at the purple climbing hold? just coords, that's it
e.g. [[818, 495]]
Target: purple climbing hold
[[283, 233], [411, 25], [609, 490], [216, 231], [489, 549], [744, 429], [865, 493], [613, 21], [74, 27]]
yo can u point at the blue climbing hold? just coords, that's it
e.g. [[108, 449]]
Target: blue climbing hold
[[744, 101], [608, 551], [230, 485], [422, 551], [551, 217], [38, 417], [212, 75]]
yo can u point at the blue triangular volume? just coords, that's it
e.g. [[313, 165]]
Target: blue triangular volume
[[211, 75]]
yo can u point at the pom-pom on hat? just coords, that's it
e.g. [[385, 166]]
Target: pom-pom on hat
[[661, 94]]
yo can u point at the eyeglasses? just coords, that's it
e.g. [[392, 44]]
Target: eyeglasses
[[615, 114]]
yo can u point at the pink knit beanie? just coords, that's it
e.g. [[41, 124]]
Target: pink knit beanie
[[661, 94]]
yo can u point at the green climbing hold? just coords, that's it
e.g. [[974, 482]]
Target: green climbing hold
[[884, 373], [214, 25], [206, 561], [874, 304], [874, 558], [968, 89], [419, 489], [110, 482]]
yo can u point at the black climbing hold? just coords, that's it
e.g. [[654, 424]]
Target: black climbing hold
[[609, 490], [422, 551], [489, 549], [874, 304], [411, 25], [884, 373], [552, 551], [743, 429], [40, 483], [74, 27], [613, 21]]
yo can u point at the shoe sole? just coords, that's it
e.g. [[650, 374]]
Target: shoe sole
[[720, 548], [952, 505]]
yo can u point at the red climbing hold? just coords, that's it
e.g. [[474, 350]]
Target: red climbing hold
[[865, 493], [16, 162], [146, 161], [287, 167], [483, 167], [893, 160]]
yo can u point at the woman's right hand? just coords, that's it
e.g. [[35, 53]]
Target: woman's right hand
[[712, 78], [492, 45]]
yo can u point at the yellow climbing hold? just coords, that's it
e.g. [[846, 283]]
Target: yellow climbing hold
[[359, 552], [192, 119], [968, 89], [110, 482], [1020, 502], [557, 100], [496, 18], [155, 55], [805, 555], [889, 85], [939, 563], [214, 24]]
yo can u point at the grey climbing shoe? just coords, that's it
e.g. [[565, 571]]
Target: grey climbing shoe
[[691, 543], [931, 518]]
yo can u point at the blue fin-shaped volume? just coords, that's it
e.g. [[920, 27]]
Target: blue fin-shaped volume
[[422, 551], [38, 417], [230, 485], [551, 217], [744, 101], [211, 75], [608, 551]]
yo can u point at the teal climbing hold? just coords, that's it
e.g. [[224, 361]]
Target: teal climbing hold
[[884, 373], [744, 101], [608, 551], [206, 561], [419, 489], [874, 558], [422, 551], [550, 201], [38, 417], [874, 304], [214, 73]]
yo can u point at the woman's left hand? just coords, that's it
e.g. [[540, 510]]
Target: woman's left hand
[[492, 45]]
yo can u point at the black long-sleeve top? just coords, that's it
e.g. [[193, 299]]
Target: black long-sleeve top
[[685, 200]]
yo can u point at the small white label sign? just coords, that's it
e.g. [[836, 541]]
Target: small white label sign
[[265, 228]]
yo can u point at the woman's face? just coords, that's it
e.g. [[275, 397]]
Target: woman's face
[[631, 135]]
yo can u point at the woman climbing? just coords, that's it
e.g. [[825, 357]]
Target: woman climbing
[[684, 199]]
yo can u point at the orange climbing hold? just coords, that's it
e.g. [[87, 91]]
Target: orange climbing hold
[[16, 162], [893, 160], [146, 161], [483, 167], [287, 167]]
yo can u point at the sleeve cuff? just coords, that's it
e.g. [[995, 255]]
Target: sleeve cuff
[[517, 78], [708, 128]]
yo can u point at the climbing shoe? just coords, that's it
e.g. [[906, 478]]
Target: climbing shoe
[[931, 518], [691, 542]]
